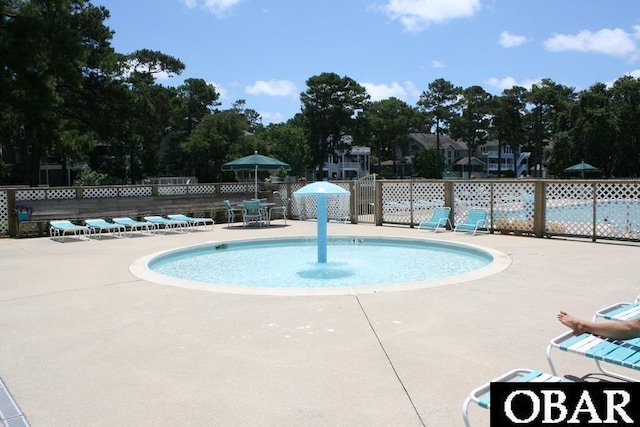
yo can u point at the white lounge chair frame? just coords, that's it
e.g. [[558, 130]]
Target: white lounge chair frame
[[99, 225], [619, 311], [481, 395], [192, 221], [167, 225], [623, 353], [133, 225], [439, 219], [58, 229]]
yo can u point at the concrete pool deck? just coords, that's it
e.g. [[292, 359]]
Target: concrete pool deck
[[87, 343]]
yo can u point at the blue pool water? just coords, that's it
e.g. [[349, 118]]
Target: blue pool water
[[292, 262], [621, 213], [616, 213]]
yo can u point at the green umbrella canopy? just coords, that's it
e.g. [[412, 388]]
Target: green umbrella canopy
[[255, 161], [581, 167]]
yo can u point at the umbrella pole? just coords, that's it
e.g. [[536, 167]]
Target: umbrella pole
[[256, 187]]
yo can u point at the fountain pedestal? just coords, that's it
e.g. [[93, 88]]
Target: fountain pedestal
[[321, 190]]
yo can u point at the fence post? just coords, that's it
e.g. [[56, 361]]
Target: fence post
[[352, 203], [13, 218], [411, 204], [539, 208], [448, 199], [378, 203]]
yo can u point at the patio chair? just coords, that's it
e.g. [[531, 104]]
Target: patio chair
[[60, 228], [191, 221], [98, 226], [279, 210], [133, 225], [619, 311], [231, 212], [252, 212], [622, 353], [167, 224], [439, 219], [476, 220], [481, 395]]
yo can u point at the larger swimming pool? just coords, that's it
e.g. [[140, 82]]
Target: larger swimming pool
[[354, 264]]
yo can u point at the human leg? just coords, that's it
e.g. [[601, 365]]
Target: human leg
[[625, 329]]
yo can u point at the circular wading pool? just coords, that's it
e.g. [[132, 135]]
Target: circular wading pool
[[355, 264]]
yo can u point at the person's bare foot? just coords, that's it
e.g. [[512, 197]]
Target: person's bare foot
[[571, 322]]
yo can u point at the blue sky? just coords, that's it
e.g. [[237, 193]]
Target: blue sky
[[263, 51]]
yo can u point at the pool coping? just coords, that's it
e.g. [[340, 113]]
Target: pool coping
[[140, 268]]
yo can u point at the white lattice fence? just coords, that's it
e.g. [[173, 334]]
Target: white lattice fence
[[306, 206], [426, 197], [100, 192], [239, 187], [202, 189], [569, 208], [618, 210], [4, 213], [396, 202], [25, 195], [513, 204], [136, 191], [470, 195]]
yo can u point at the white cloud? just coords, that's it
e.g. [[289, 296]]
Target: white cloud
[[437, 64], [509, 82], [217, 7], [412, 90], [273, 88], [268, 117], [511, 40], [614, 42], [406, 91], [634, 73], [384, 91], [224, 94], [416, 15]]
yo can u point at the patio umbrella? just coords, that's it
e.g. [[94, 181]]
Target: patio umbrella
[[255, 162], [581, 167]]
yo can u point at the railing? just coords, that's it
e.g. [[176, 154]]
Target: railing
[[606, 210], [593, 209]]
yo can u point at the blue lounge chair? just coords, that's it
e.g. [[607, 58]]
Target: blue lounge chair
[[60, 228], [476, 220], [191, 221], [619, 311], [439, 218], [481, 394], [133, 225], [167, 224], [97, 226], [622, 353]]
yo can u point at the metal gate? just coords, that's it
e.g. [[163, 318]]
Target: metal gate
[[365, 195]]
